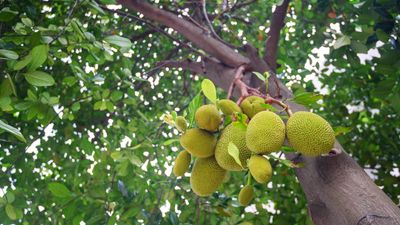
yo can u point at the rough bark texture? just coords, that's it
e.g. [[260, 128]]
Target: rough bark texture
[[338, 190]]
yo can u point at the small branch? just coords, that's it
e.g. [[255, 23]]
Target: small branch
[[238, 76], [211, 26], [277, 23], [66, 25]]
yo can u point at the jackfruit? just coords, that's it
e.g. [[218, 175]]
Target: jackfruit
[[180, 123], [228, 107], [206, 176], [208, 118], [198, 142], [260, 168], [265, 133], [182, 163], [252, 105], [246, 195], [237, 136], [309, 134]]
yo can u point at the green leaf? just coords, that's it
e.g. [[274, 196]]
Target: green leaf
[[39, 78], [359, 47], [108, 2], [193, 106], [59, 190], [342, 41], [119, 41], [341, 130], [24, 62], [9, 54], [307, 98], [27, 22], [287, 162], [170, 141], [12, 130], [269, 107], [260, 76], [6, 14], [234, 152], [39, 56], [134, 159], [11, 213], [208, 88]]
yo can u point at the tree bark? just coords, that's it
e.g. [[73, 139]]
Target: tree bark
[[337, 189]]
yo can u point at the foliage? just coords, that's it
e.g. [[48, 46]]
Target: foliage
[[76, 82]]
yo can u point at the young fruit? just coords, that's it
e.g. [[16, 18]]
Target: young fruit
[[208, 118], [182, 163], [309, 134], [198, 142], [265, 133], [260, 168], [206, 176], [252, 105], [180, 123], [246, 195], [228, 107]]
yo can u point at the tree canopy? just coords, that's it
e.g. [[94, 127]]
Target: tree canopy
[[85, 84]]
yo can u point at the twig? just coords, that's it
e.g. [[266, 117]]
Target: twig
[[211, 27], [246, 90], [66, 25]]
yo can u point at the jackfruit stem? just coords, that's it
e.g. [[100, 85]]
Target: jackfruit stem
[[246, 91], [249, 178]]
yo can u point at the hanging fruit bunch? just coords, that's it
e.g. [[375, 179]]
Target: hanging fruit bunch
[[240, 136]]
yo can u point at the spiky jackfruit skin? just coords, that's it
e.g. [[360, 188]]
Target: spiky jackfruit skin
[[208, 118], [246, 195], [237, 136], [228, 107], [310, 134], [182, 163], [260, 168], [252, 105], [265, 133], [198, 142], [180, 123], [206, 176]]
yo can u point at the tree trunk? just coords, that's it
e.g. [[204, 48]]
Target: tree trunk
[[338, 190]]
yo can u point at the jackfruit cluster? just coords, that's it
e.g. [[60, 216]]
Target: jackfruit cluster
[[222, 141]]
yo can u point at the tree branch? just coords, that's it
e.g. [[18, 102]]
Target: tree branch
[[196, 35], [277, 23]]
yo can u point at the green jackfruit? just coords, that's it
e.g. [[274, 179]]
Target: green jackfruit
[[208, 118], [265, 133], [260, 168], [246, 195], [228, 107], [237, 136], [206, 176], [182, 163], [180, 123], [252, 105], [309, 134], [198, 142]]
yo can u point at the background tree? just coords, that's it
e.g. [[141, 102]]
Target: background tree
[[86, 83]]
